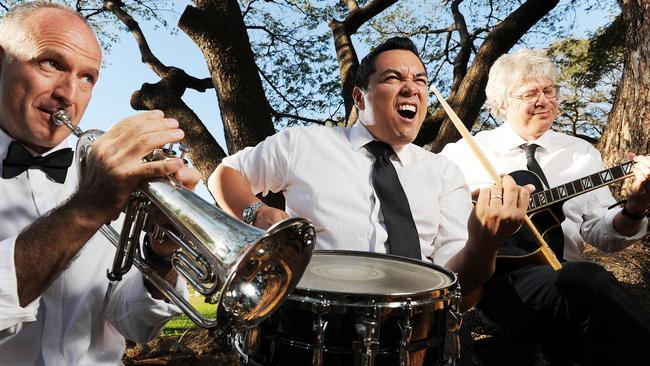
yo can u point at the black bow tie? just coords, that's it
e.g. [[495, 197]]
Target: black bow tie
[[19, 159]]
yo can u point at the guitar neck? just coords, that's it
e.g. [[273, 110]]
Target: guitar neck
[[541, 200]]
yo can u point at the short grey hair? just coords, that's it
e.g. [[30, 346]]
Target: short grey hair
[[18, 41], [513, 69]]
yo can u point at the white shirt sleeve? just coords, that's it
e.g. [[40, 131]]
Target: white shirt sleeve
[[266, 166], [134, 313], [11, 313], [455, 208]]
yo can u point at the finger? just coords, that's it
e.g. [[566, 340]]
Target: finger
[[157, 169], [142, 120], [188, 177], [530, 188], [475, 194], [641, 169], [496, 196], [510, 191], [523, 199], [483, 198], [143, 145]]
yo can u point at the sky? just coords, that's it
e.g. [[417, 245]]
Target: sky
[[123, 73]]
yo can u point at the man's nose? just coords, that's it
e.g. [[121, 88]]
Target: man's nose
[[541, 95], [65, 89], [409, 88]]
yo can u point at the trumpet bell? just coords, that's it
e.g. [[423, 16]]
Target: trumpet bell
[[249, 272]]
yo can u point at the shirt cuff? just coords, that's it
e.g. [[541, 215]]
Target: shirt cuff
[[11, 313], [155, 311], [609, 218]]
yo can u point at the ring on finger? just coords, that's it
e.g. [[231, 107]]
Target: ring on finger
[[496, 196]]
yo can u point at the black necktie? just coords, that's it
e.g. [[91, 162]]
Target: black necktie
[[403, 236], [19, 159], [554, 237], [532, 164]]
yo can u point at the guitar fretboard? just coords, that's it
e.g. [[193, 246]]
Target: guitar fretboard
[[543, 199]]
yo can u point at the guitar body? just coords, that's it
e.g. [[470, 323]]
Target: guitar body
[[522, 248]]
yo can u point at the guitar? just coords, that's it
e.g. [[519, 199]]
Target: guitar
[[545, 211]]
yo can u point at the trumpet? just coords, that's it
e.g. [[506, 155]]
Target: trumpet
[[244, 271]]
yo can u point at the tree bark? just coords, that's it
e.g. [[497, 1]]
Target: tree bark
[[469, 97], [628, 128], [217, 27], [345, 53], [166, 95]]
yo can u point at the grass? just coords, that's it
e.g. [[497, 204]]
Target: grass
[[181, 323]]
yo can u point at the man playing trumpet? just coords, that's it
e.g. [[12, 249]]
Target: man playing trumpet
[[56, 304]]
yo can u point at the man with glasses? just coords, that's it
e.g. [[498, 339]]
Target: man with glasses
[[581, 313]]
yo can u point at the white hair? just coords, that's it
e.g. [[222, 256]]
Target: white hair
[[512, 70], [15, 39]]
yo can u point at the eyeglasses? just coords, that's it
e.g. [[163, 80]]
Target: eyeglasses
[[532, 96]]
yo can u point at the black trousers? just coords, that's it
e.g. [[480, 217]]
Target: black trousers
[[581, 314]]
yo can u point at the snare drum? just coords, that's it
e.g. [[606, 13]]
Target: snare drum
[[357, 308]]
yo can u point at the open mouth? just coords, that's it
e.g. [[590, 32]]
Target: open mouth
[[407, 110]]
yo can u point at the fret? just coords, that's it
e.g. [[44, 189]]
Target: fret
[[595, 180], [548, 196], [562, 191], [606, 175], [531, 202], [580, 187], [627, 167], [570, 189], [617, 172], [586, 183], [554, 194]]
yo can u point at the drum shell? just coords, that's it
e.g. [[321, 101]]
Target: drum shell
[[351, 329]]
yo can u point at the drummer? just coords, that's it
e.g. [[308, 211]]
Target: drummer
[[369, 186]]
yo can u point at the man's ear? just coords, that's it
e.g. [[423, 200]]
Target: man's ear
[[357, 97]]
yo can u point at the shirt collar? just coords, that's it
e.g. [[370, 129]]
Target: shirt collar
[[359, 136], [5, 140], [510, 140]]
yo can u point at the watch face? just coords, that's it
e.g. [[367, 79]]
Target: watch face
[[250, 212]]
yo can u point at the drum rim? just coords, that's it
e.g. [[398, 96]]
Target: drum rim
[[385, 300]]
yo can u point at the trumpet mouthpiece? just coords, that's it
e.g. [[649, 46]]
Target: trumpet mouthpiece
[[61, 117]]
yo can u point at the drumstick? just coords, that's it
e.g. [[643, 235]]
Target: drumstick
[[320, 229], [545, 249]]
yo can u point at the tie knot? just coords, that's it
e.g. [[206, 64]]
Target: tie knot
[[529, 149], [379, 149]]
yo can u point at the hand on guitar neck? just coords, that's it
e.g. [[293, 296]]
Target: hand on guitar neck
[[636, 206]]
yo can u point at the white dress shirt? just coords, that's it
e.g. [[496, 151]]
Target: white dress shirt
[[325, 175], [563, 158], [82, 318]]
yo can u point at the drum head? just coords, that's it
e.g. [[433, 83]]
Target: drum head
[[361, 273]]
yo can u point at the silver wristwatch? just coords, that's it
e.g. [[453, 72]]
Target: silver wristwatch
[[250, 213]]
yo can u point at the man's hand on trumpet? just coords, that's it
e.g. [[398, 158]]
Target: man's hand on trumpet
[[115, 164]]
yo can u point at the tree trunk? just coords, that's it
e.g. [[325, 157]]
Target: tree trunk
[[348, 65], [468, 99], [217, 27], [165, 95], [628, 129]]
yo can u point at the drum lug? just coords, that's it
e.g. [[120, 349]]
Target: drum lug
[[407, 332], [368, 330], [320, 308], [454, 322]]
